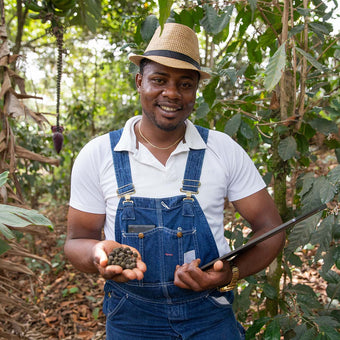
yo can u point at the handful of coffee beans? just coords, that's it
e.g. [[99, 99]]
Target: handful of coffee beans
[[124, 257]]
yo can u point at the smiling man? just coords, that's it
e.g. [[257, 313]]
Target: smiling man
[[158, 186]]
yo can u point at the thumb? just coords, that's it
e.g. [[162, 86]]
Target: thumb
[[218, 266], [99, 256]]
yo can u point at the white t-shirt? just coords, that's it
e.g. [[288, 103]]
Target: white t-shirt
[[227, 171]]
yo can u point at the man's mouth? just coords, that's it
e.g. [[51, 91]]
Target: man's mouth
[[169, 109]]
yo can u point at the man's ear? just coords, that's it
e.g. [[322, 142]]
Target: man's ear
[[138, 80]]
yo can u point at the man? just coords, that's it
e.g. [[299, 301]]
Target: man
[[158, 186]]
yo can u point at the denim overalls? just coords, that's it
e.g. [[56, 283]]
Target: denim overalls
[[167, 232]]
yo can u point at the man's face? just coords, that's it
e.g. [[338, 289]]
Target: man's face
[[167, 95]]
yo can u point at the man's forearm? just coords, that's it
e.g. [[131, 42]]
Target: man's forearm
[[80, 254], [260, 256]]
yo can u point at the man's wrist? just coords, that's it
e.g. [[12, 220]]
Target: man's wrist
[[235, 275]]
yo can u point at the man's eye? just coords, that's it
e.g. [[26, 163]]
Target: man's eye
[[158, 81], [187, 85]]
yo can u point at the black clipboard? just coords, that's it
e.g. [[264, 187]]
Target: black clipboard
[[266, 235]]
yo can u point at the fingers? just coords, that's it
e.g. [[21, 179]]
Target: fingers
[[189, 276], [116, 272]]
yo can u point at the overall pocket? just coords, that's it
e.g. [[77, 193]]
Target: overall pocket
[[113, 302], [162, 249]]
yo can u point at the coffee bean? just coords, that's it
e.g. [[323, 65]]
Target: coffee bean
[[124, 257]]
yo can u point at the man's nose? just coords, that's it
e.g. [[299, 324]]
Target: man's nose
[[171, 91]]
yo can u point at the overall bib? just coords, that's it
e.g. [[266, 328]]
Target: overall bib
[[167, 232]]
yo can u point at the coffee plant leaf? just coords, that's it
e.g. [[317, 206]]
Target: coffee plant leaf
[[272, 331], [328, 332], [334, 175], [312, 60], [306, 297], [253, 5], [256, 327], [304, 333], [323, 234], [202, 110], [326, 320], [233, 124], [287, 148], [209, 92], [149, 27], [214, 23], [324, 126], [333, 291], [275, 68], [301, 233], [269, 291]]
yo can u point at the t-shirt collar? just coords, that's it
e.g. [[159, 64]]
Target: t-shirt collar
[[127, 142]]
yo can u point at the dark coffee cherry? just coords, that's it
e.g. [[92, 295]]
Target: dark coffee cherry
[[124, 257]]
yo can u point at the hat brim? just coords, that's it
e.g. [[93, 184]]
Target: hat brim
[[170, 62]]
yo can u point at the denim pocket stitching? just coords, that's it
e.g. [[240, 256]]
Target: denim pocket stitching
[[114, 311]]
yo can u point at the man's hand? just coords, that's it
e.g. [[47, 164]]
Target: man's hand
[[100, 253], [190, 276]]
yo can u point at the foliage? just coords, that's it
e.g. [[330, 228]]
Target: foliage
[[13, 219], [274, 89]]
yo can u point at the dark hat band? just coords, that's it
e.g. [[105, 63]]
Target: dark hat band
[[173, 55]]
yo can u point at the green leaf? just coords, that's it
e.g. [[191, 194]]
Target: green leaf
[[95, 313], [229, 73], [329, 332], [275, 68], [269, 291], [246, 130], [13, 220], [323, 235], [214, 23], [73, 290], [272, 331], [202, 110], [164, 11], [319, 28], [287, 148], [252, 4], [306, 296], [149, 27], [6, 231], [302, 333], [301, 233], [209, 93], [312, 60], [326, 320], [256, 327], [334, 175], [3, 178], [19, 217], [4, 246], [295, 30]]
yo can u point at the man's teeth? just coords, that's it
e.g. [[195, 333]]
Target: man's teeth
[[167, 108]]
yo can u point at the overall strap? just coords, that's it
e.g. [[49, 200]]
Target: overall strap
[[121, 164], [191, 181]]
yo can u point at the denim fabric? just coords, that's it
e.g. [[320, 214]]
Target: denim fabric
[[131, 317], [177, 232]]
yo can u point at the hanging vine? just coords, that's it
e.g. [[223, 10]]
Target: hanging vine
[[57, 130], [53, 11]]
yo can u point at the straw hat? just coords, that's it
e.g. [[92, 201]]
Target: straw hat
[[176, 46]]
